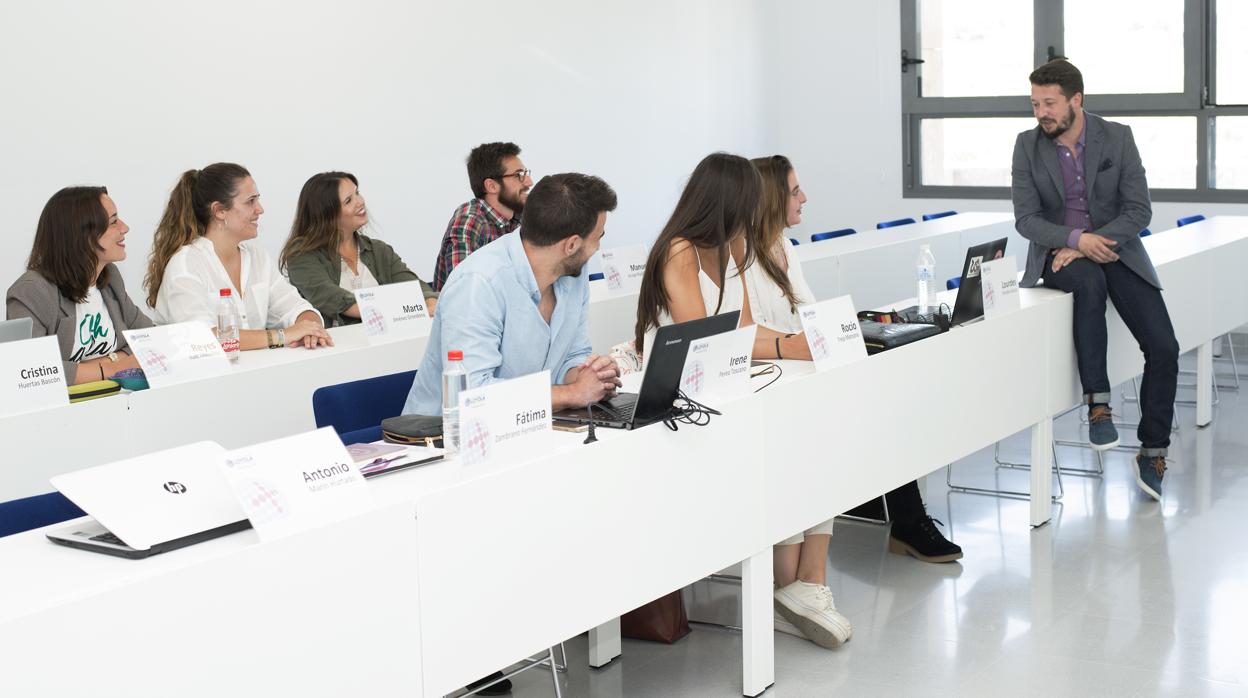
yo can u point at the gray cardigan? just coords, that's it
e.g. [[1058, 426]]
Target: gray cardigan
[[37, 298]]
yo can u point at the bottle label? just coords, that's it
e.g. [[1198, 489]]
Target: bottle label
[[926, 272], [229, 345]]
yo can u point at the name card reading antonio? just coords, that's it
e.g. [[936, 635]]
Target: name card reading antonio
[[33, 376], [832, 332], [178, 353], [296, 483], [507, 421], [717, 368], [999, 286], [394, 311], [623, 267]]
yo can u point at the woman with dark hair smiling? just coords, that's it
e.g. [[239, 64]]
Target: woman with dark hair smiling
[[72, 288], [328, 257]]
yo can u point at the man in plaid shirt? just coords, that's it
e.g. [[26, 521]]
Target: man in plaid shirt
[[501, 185]]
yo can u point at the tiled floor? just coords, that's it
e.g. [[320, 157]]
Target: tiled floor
[[1118, 596]]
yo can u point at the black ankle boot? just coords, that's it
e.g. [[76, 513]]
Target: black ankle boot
[[922, 540]]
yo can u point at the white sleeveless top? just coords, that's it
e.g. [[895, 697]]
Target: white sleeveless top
[[768, 306], [734, 299]]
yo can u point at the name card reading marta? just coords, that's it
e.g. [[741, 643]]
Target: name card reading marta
[[178, 353], [34, 379], [508, 421], [832, 332], [394, 311]]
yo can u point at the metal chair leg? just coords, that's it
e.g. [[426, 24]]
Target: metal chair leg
[[867, 519], [1061, 490], [554, 671]]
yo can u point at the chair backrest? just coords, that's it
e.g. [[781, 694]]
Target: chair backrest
[[794, 241], [361, 405], [942, 214], [832, 234], [1145, 233], [33, 512], [894, 224], [1190, 219], [597, 276], [953, 283]]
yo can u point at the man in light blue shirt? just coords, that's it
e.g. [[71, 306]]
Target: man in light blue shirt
[[520, 304]]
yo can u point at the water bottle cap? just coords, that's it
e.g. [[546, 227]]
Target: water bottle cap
[[225, 293], [454, 356]]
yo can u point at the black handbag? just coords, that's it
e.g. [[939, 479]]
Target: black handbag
[[413, 430], [884, 336]]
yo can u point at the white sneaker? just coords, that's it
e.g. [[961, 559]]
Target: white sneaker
[[810, 608], [784, 626]]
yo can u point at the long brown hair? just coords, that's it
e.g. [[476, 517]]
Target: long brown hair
[[316, 217], [773, 218], [67, 247], [188, 214], [719, 201]]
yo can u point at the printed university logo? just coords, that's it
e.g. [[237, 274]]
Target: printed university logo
[[261, 501], [694, 378], [818, 345], [614, 281], [474, 441]]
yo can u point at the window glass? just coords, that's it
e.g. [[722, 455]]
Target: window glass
[[1143, 54], [975, 47], [970, 152]]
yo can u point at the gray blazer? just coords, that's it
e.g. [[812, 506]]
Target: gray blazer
[[37, 298], [1118, 199]]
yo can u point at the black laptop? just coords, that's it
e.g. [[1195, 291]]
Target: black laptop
[[969, 305], [661, 383]]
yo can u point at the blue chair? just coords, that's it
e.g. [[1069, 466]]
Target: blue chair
[[794, 241], [894, 224], [1145, 233], [942, 214], [355, 409], [833, 234], [1190, 219], [34, 512], [953, 283], [597, 276]]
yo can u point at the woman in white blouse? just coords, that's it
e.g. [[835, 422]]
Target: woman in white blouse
[[203, 245]]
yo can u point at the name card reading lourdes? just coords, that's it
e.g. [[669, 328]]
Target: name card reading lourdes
[[507, 421], [33, 376], [717, 368], [178, 353], [296, 483], [622, 269], [999, 286], [394, 311], [832, 332]]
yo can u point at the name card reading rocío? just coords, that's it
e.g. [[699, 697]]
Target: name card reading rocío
[[832, 332]]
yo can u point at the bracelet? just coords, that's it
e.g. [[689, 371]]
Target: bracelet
[[281, 337], [101, 371], [268, 335], [778, 348]]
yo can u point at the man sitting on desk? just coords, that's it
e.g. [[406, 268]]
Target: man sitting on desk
[[520, 304], [1074, 174]]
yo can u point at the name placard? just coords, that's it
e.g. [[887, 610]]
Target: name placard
[[622, 269], [507, 421], [33, 376], [999, 286], [178, 353], [832, 332], [717, 368], [394, 311], [296, 483]]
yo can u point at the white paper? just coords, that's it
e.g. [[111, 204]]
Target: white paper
[[394, 311], [832, 332], [622, 269], [178, 353], [717, 368], [999, 286], [33, 376], [507, 421]]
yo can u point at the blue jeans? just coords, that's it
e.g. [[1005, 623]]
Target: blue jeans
[[1142, 308]]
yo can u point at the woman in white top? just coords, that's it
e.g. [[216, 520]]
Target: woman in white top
[[203, 245]]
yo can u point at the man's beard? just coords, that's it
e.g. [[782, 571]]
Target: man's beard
[[1062, 126], [516, 204], [573, 266]]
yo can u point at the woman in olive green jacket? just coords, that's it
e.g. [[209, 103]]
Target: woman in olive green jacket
[[327, 257]]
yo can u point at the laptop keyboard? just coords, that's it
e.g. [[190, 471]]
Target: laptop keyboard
[[621, 413], [107, 537]]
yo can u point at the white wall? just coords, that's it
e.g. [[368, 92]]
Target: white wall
[[130, 94]]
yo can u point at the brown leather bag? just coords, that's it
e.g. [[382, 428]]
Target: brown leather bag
[[661, 620]]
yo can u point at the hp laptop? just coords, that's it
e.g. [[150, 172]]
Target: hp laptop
[[15, 330], [969, 305], [660, 384], [151, 504]]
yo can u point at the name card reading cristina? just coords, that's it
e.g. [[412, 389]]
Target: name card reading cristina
[[394, 311], [717, 368], [33, 377], [508, 421], [178, 353], [296, 483], [832, 332]]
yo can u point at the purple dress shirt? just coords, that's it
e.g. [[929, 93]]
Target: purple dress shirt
[[1076, 189]]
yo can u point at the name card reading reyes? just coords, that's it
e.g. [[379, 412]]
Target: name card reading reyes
[[623, 267], [394, 311], [1000, 287], [296, 483], [33, 376], [832, 332], [505, 421], [717, 368], [178, 353]]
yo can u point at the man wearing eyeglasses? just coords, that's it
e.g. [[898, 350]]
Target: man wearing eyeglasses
[[500, 186]]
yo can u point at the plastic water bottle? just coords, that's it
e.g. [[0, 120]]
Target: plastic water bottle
[[227, 326], [454, 380], [925, 273]]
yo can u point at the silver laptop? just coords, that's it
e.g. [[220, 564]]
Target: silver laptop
[[151, 504], [15, 330]]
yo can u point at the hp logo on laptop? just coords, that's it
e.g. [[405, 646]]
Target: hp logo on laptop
[[175, 487]]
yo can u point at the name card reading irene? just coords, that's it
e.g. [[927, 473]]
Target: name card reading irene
[[832, 332], [717, 368], [394, 311], [1000, 287], [296, 483], [178, 353], [507, 421], [623, 267], [33, 376]]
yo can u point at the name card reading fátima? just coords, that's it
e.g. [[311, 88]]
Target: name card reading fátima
[[394, 311], [832, 332], [508, 421], [178, 353], [33, 376]]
